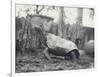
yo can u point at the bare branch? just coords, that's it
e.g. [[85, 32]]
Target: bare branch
[[37, 9], [53, 7], [40, 10]]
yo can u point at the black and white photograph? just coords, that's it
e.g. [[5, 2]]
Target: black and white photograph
[[53, 38]]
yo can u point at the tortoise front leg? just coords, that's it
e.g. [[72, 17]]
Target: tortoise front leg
[[47, 54]]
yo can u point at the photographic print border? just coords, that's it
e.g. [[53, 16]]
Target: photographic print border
[[35, 2]]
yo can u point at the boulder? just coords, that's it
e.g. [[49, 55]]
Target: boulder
[[89, 48]]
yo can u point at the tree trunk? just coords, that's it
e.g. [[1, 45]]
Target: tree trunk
[[80, 15], [61, 26]]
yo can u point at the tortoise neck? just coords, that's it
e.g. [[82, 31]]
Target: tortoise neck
[[42, 36]]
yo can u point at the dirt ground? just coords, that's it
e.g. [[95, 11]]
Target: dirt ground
[[39, 63]]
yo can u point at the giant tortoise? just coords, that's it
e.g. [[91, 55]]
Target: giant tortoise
[[58, 46]]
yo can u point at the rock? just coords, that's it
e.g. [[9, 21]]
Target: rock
[[89, 48]]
